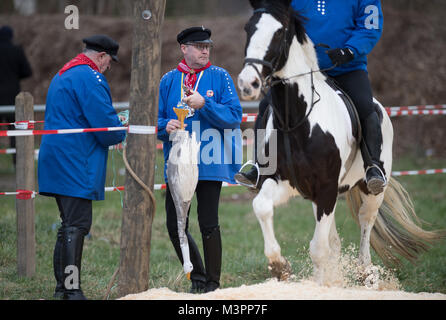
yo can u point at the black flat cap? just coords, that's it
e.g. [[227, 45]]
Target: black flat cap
[[194, 34], [103, 43]]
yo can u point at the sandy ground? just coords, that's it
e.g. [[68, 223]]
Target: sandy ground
[[290, 290]]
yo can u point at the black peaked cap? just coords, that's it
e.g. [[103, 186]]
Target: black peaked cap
[[195, 34], [103, 43]]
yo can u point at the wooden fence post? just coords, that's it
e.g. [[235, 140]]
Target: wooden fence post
[[138, 210], [26, 239]]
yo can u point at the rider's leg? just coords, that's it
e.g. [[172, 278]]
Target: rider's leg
[[357, 85], [250, 177]]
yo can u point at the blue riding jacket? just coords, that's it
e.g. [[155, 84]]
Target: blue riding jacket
[[353, 24], [75, 164], [216, 124]]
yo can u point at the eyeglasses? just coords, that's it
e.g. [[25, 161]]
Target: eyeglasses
[[201, 46]]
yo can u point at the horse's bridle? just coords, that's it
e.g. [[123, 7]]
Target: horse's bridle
[[267, 82]]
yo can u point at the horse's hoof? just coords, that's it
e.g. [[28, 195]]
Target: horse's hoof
[[369, 277], [281, 270]]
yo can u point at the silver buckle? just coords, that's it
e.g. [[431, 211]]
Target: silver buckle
[[380, 171]]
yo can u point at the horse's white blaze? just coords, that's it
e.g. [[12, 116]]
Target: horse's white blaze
[[257, 49]]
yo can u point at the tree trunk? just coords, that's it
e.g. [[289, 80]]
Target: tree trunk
[[26, 238], [141, 149]]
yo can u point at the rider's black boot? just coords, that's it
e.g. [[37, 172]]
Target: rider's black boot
[[372, 136], [247, 178]]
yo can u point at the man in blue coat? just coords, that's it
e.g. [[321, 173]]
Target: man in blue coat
[[72, 167], [351, 29], [214, 115]]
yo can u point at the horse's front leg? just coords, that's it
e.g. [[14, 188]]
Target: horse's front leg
[[270, 195], [367, 216], [324, 254]]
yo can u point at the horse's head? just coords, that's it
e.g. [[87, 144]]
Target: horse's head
[[270, 31]]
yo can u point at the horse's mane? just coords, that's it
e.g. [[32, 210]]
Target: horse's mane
[[299, 21], [283, 13]]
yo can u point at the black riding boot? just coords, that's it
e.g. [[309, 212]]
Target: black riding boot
[[212, 259], [248, 179], [372, 137], [72, 246], [198, 274], [57, 265]]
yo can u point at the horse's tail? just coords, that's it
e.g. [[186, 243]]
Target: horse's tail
[[397, 230]]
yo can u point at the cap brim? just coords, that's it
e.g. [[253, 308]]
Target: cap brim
[[202, 41], [115, 58]]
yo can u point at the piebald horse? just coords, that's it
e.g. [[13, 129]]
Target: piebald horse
[[320, 156]]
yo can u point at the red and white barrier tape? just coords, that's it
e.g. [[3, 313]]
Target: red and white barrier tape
[[246, 117], [249, 117], [163, 186], [419, 107], [26, 194], [20, 194], [415, 112], [8, 151], [14, 151], [159, 146], [131, 129], [417, 172], [119, 146], [22, 125]]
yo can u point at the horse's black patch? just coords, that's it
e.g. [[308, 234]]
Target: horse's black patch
[[362, 185], [343, 188], [315, 159]]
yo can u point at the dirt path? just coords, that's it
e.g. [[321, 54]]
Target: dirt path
[[275, 290]]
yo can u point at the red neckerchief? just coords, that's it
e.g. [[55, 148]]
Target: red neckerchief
[[191, 77], [79, 60]]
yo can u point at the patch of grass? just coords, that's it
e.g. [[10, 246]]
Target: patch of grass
[[243, 258]]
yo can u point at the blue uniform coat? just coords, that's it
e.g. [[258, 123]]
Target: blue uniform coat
[[353, 24], [75, 164], [217, 124]]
